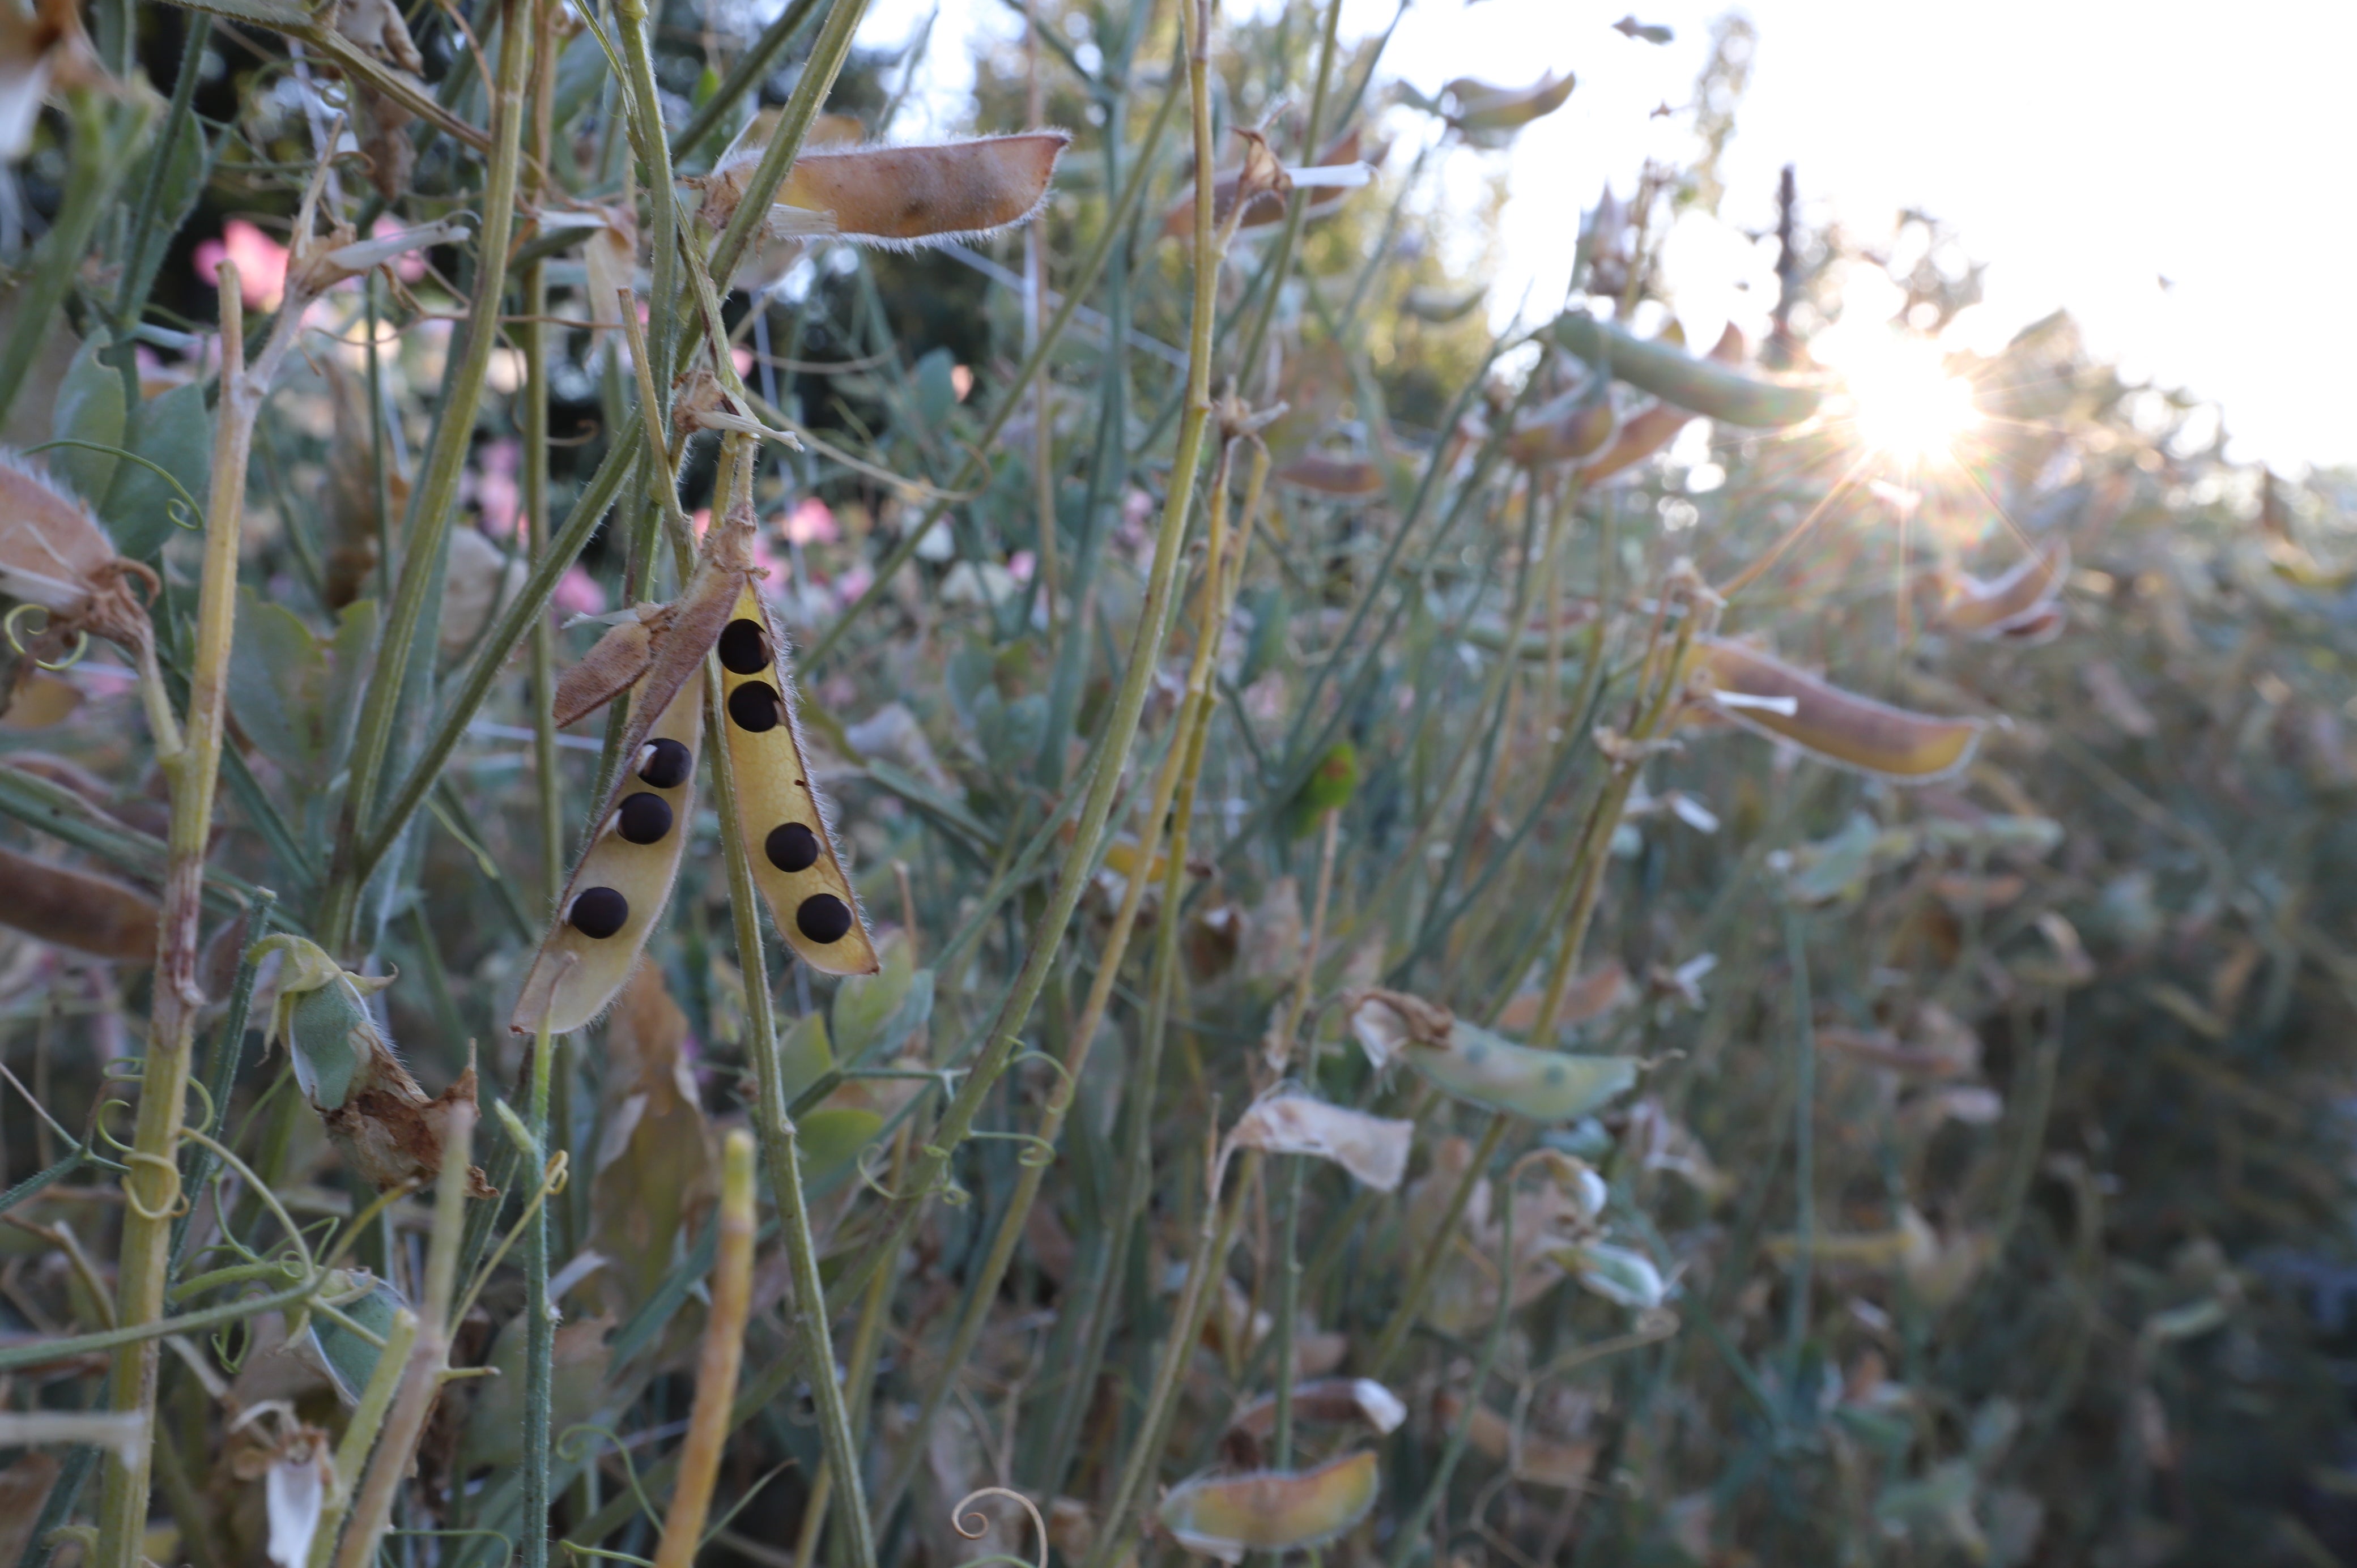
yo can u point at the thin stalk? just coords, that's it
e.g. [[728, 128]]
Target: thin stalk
[[361, 1433], [1405, 1542], [749, 68], [779, 1149], [539, 1321], [430, 1354], [193, 771], [1289, 1222], [532, 338], [1219, 600], [1055, 917], [1804, 1155], [1216, 1235], [1281, 262], [717, 1365], [654, 151], [437, 493]]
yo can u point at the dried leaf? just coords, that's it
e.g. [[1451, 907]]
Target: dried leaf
[[1375, 1151]]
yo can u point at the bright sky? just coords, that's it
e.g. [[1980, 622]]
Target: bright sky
[[2084, 149]]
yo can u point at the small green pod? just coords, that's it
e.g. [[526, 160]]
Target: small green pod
[[1671, 374], [1468, 1062]]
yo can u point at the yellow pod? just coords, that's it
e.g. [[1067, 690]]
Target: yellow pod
[[624, 879], [2019, 600], [1271, 1510], [1763, 694], [786, 833]]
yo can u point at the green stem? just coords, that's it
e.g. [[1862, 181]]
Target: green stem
[[436, 502], [809, 1309], [1804, 1122]]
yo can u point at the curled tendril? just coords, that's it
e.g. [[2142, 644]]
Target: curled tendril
[[155, 467], [17, 641], [204, 1122], [98, 1122], [1065, 1086], [1037, 1153], [175, 1199], [964, 1511], [572, 1445], [950, 1193]]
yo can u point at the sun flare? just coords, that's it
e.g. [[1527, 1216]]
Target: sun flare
[[1907, 403]]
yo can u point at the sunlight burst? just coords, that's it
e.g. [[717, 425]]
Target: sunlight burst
[[1907, 403]]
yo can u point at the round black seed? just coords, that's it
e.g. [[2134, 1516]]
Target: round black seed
[[824, 917], [792, 847], [599, 912], [643, 819], [665, 764], [755, 706], [743, 648]]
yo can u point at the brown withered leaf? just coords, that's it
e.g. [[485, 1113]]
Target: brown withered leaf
[[656, 1168]]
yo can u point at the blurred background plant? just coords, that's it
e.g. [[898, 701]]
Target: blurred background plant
[[1538, 945]]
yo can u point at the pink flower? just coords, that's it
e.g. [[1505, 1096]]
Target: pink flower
[[578, 592], [742, 357], [261, 262], [853, 582], [1021, 565], [811, 522]]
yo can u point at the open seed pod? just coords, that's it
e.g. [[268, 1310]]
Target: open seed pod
[[624, 879]]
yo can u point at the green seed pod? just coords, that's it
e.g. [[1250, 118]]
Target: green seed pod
[[1671, 374], [1472, 1064], [384, 1123]]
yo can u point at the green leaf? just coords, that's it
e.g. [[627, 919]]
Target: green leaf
[[803, 1056], [176, 434], [350, 1358], [277, 686], [829, 1140], [88, 408], [876, 1013]]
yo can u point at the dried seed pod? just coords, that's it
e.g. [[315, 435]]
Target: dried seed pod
[[1371, 1149], [1328, 1400], [1270, 1510], [1472, 1064], [786, 833], [2021, 600], [901, 197], [1431, 305], [1764, 694], [94, 914], [1344, 478], [1576, 425], [616, 893], [611, 667], [345, 1067], [53, 553], [1541, 1460], [1699, 384], [1488, 115]]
